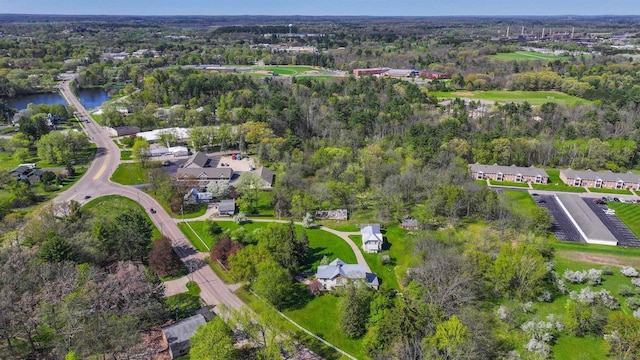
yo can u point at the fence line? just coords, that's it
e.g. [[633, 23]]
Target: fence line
[[199, 238]]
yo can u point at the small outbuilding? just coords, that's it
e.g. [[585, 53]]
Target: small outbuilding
[[227, 207], [178, 335]]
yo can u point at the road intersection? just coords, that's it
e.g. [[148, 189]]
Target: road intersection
[[95, 183]]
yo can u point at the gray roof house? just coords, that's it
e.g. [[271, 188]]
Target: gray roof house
[[227, 207], [337, 274], [600, 179], [508, 173], [372, 239], [205, 174], [197, 160], [267, 175], [179, 334]]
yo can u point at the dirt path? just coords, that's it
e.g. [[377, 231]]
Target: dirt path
[[601, 259]]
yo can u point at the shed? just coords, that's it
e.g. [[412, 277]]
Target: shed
[[179, 334], [227, 207]]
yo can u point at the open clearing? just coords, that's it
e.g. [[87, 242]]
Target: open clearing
[[286, 70], [504, 96], [527, 55]]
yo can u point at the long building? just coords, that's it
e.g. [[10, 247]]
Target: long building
[[590, 227], [600, 179], [508, 173]]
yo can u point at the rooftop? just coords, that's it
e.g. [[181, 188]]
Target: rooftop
[[586, 221]]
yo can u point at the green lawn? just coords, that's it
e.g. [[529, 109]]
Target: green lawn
[[610, 191], [503, 96], [181, 306], [111, 206], [523, 201], [285, 69], [321, 316], [527, 55], [507, 183], [125, 154], [629, 214], [129, 174], [399, 246], [321, 243]]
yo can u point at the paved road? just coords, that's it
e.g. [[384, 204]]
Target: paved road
[[96, 183]]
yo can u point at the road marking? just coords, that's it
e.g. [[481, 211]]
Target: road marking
[[99, 174]]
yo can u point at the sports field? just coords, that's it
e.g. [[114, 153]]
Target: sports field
[[286, 70], [527, 55], [503, 96]]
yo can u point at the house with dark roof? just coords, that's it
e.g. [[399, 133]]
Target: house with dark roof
[[372, 239], [179, 334], [227, 207], [266, 175], [600, 179], [337, 274], [204, 175], [197, 160], [35, 176], [508, 173], [123, 130]]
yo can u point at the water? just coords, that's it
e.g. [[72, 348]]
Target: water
[[21, 102], [90, 98]]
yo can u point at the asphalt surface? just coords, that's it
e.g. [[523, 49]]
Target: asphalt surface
[[95, 183], [561, 226], [619, 230]]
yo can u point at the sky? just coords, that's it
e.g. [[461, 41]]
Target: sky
[[322, 7]]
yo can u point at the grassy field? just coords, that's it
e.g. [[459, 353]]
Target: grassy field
[[502, 96], [321, 243], [527, 55], [285, 69], [556, 184], [111, 206], [129, 174], [125, 155], [326, 325], [507, 183], [610, 191], [629, 214]]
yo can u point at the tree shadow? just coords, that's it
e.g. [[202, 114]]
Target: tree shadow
[[313, 255], [298, 298], [185, 250]]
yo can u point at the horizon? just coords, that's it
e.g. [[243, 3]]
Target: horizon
[[355, 8]]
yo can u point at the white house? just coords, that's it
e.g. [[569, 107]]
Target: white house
[[337, 274], [372, 239]]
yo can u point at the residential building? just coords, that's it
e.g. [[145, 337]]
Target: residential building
[[227, 207], [196, 197], [35, 176], [372, 238], [178, 335], [266, 175], [337, 274], [204, 174], [197, 160], [508, 173], [600, 179]]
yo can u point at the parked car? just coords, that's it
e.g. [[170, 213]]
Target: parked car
[[542, 201], [616, 199]]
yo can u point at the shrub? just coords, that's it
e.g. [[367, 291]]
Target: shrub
[[545, 296], [240, 218], [542, 333], [609, 301], [592, 276], [385, 259], [562, 287], [606, 270], [626, 290], [224, 249], [586, 296], [636, 282], [636, 313], [314, 287], [633, 303], [629, 271]]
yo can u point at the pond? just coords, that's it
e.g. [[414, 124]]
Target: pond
[[90, 98]]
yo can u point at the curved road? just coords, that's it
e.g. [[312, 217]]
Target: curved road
[[96, 183]]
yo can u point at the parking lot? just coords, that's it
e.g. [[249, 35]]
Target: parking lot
[[621, 232], [561, 226]]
